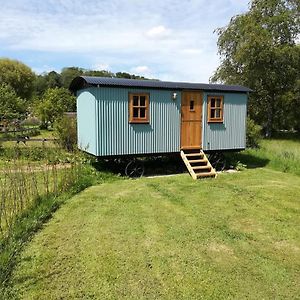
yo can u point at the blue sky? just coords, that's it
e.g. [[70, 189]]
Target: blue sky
[[168, 40]]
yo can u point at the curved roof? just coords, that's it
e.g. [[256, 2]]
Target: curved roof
[[87, 81]]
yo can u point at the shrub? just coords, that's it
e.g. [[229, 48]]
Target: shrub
[[33, 132], [253, 134], [66, 132], [31, 121], [53, 104]]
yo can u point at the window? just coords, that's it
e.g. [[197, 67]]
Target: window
[[215, 109], [192, 105], [138, 108]]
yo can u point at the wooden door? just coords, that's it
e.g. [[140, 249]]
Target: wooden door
[[191, 120]]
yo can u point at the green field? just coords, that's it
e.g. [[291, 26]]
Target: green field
[[236, 236], [170, 238]]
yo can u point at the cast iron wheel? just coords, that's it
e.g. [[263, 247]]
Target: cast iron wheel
[[218, 161], [134, 169]]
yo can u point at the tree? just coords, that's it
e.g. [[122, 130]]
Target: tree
[[11, 106], [68, 74], [258, 49], [18, 76], [128, 76], [46, 81], [53, 104], [102, 73]]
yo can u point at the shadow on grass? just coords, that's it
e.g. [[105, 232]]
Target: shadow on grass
[[250, 160], [167, 165], [289, 136], [162, 165]]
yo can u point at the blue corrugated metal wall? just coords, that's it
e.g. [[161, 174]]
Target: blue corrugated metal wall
[[104, 129], [231, 134], [118, 137], [86, 121]]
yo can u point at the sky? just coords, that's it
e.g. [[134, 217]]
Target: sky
[[170, 40]]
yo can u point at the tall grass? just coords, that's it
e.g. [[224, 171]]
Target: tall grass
[[22, 183], [280, 153]]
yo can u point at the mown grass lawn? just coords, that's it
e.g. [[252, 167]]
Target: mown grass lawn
[[170, 238]]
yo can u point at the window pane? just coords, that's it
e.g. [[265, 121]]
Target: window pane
[[218, 113], [212, 113], [192, 103], [218, 102], [135, 100], [135, 112], [142, 112], [142, 101], [213, 102]]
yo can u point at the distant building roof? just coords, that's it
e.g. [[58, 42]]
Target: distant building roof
[[86, 81]]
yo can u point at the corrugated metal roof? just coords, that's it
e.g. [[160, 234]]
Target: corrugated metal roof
[[83, 81]]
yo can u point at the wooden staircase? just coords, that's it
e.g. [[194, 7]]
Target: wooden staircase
[[197, 163]]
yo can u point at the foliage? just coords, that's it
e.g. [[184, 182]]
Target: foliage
[[66, 132], [294, 106], [34, 153], [11, 105], [68, 74], [281, 153], [128, 76], [253, 134], [54, 103], [259, 50], [63, 79], [31, 122], [102, 73], [18, 76], [170, 238], [47, 81]]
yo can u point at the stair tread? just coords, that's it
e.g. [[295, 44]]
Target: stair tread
[[201, 167], [197, 160], [197, 163], [204, 174], [193, 154]]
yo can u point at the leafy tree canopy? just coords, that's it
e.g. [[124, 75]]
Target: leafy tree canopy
[[68, 74], [128, 76], [258, 49], [18, 76], [11, 106], [46, 81], [63, 79], [53, 104]]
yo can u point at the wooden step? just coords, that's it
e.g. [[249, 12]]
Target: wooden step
[[197, 161], [206, 174], [201, 167], [193, 154]]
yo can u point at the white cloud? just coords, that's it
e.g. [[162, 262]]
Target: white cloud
[[150, 37], [101, 67], [192, 51], [158, 32], [44, 69], [141, 69]]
